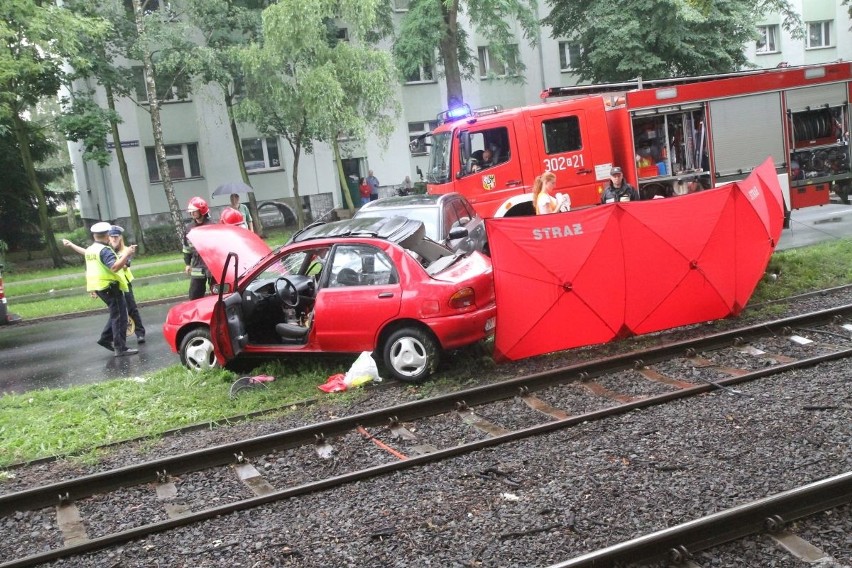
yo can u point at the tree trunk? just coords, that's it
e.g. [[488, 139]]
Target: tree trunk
[[125, 177], [35, 188], [296, 148], [238, 151], [448, 47], [341, 176], [300, 215], [156, 125]]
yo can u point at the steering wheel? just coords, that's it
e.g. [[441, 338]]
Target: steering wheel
[[287, 293]]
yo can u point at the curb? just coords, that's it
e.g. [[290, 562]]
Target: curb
[[104, 310]]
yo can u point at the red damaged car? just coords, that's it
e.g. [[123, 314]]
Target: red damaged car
[[343, 287]]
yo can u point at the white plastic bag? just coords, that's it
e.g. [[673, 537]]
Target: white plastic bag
[[362, 371]]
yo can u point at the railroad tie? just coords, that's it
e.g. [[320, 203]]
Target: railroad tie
[[71, 524]]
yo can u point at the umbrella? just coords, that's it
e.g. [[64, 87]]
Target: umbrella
[[233, 187], [592, 275]]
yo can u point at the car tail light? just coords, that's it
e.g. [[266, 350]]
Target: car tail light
[[464, 298]]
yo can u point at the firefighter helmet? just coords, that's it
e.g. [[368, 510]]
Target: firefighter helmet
[[231, 216], [198, 204]]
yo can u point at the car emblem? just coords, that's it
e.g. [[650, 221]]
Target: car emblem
[[488, 182]]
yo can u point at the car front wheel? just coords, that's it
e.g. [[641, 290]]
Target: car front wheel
[[196, 350], [411, 354]]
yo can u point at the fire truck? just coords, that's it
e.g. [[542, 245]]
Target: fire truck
[[670, 137]]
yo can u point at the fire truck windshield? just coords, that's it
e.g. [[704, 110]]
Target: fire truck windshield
[[439, 158]]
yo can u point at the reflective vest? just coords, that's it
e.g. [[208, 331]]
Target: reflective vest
[[98, 275]]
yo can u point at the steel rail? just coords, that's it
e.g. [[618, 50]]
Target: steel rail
[[234, 452], [678, 543], [411, 462]]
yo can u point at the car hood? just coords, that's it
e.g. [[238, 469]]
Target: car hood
[[215, 242]]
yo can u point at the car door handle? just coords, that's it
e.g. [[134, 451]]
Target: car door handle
[[584, 172], [386, 295], [513, 182]]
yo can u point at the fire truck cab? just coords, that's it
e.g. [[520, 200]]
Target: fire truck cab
[[670, 137]]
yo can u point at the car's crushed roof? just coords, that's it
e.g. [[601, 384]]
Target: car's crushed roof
[[394, 229], [416, 200], [407, 233]]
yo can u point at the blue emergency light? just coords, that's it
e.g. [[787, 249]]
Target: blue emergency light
[[454, 114]]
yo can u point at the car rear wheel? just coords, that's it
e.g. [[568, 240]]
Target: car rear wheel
[[196, 350], [411, 354]]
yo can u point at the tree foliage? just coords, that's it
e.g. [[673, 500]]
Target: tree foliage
[[19, 219], [430, 23], [307, 87], [652, 39], [226, 27], [41, 40]]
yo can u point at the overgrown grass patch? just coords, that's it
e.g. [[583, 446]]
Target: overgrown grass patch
[[800, 270], [76, 420], [83, 302]]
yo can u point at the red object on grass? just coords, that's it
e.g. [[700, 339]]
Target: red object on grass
[[593, 275]]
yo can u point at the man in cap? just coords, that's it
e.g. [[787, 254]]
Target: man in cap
[[618, 189], [116, 242], [105, 279]]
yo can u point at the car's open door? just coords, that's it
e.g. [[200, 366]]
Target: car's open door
[[227, 329]]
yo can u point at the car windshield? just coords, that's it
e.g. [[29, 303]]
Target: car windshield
[[426, 215], [439, 158]]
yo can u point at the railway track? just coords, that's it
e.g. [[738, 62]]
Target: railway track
[[770, 517], [159, 495]]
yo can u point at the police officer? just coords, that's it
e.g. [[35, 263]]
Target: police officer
[[199, 275], [105, 279], [618, 189]]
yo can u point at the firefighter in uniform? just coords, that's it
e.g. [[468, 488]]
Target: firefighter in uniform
[[618, 189], [105, 279], [199, 275]]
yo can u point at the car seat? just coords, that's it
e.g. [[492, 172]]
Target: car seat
[[347, 277]]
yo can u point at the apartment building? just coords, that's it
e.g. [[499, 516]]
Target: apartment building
[[200, 145]]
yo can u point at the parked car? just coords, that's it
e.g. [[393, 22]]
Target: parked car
[[449, 218], [343, 287]]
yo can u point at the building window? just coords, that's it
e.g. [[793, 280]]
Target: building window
[[489, 65], [401, 5], [423, 74], [181, 158], [768, 41], [415, 129], [569, 55], [261, 153], [169, 88], [819, 34]]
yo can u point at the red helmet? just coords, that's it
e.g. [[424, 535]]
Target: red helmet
[[198, 204], [231, 216]]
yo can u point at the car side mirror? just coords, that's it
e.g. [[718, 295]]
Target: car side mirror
[[458, 233], [216, 287]]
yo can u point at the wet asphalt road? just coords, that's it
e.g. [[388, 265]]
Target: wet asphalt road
[[61, 353]]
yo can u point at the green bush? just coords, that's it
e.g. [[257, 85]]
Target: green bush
[[161, 239], [79, 236], [419, 188]]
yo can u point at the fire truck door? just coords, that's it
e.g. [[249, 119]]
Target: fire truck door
[[489, 170], [564, 144]]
